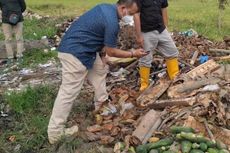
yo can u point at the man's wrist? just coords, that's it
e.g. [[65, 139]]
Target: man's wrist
[[132, 54]]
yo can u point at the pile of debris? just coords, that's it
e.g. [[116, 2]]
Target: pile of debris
[[194, 98], [16, 79]]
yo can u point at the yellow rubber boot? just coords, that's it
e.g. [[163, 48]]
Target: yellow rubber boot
[[172, 67], [144, 75]]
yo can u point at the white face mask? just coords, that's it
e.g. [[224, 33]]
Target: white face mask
[[127, 19]]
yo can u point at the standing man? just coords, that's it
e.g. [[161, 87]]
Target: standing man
[[151, 28], [12, 20], [79, 55]]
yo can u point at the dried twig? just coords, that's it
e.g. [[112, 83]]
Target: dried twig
[[209, 131]]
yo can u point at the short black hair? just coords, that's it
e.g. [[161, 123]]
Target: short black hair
[[129, 3]]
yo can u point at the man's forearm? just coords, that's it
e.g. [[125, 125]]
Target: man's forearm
[[137, 23], [114, 52], [165, 16]]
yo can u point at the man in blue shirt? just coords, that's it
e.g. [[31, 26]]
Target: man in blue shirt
[[94, 31]]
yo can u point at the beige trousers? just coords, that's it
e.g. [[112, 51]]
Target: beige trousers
[[8, 31], [73, 75]]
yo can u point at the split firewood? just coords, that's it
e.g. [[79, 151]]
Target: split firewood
[[203, 69], [151, 130], [194, 57], [192, 85], [154, 92], [172, 102], [190, 88], [209, 131], [150, 120]]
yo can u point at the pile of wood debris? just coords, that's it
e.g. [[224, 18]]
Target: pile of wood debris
[[199, 97]]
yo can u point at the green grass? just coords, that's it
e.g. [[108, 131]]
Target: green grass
[[34, 57], [200, 16], [30, 113], [31, 110], [184, 14], [64, 8]]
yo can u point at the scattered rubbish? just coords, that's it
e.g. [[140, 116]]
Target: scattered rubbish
[[203, 58], [189, 33], [25, 71], [45, 65], [120, 73], [110, 109], [126, 106], [53, 48], [215, 87]]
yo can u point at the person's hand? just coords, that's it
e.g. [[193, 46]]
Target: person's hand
[[139, 53], [140, 41]]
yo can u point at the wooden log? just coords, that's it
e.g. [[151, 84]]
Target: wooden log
[[28, 45], [222, 58], [203, 69], [173, 102], [194, 57], [154, 92], [219, 52], [192, 85]]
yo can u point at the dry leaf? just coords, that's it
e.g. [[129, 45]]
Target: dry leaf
[[115, 131], [95, 128], [92, 136], [12, 138], [107, 139], [108, 127]]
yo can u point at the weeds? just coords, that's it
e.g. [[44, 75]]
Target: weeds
[[31, 110], [34, 57]]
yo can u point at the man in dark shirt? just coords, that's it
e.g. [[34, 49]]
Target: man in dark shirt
[[79, 51], [13, 23], [151, 27]]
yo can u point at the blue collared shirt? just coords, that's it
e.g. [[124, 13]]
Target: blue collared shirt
[[95, 29]]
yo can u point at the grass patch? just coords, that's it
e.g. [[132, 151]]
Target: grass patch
[[183, 14], [31, 110], [30, 114], [61, 8], [34, 57], [200, 16], [31, 100], [34, 29]]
